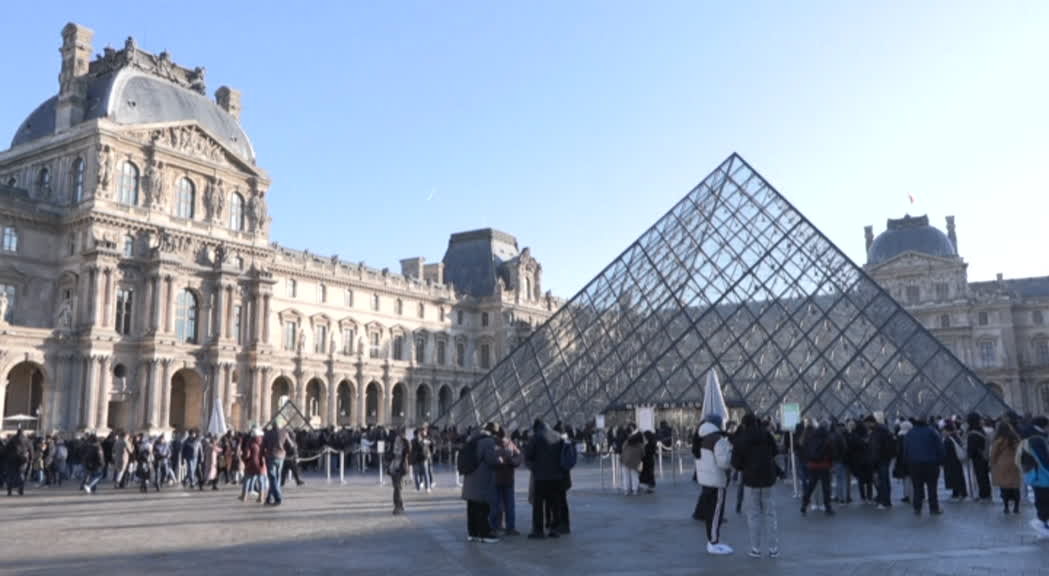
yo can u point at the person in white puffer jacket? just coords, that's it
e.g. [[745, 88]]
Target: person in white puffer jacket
[[712, 468]]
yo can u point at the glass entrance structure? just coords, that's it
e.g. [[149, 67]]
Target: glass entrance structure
[[734, 279]]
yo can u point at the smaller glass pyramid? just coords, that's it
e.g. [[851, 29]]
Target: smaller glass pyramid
[[289, 416]]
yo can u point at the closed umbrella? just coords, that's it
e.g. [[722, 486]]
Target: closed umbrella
[[217, 422], [713, 400]]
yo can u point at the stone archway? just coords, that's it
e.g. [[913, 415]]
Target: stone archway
[[187, 400], [422, 404], [316, 402], [372, 397], [344, 403], [397, 405], [23, 396], [280, 393]]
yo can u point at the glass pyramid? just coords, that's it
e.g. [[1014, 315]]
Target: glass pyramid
[[732, 279], [289, 416]]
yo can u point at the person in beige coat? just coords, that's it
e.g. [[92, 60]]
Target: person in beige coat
[[1005, 474]]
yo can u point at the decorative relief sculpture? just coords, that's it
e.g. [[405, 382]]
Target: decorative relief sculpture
[[160, 65], [64, 318], [154, 185], [3, 308], [105, 170], [185, 139]]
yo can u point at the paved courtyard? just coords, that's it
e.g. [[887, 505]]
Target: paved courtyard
[[326, 529]]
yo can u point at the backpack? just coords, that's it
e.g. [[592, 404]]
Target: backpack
[[468, 460], [1037, 476], [959, 451], [816, 448], [568, 456]]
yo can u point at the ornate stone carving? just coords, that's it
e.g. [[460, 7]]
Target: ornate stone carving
[[154, 184], [64, 318], [105, 171], [3, 308], [257, 215], [214, 199], [188, 140], [159, 65]]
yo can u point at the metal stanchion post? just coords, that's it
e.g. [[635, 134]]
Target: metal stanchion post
[[342, 467], [327, 464], [601, 461], [659, 454]]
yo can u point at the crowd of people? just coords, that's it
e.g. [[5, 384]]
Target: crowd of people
[[828, 457]]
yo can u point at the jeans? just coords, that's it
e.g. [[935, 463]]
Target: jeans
[[761, 518], [630, 480], [982, 472], [1041, 503], [544, 504], [503, 503], [421, 471], [883, 484], [817, 477], [162, 473], [843, 487], [398, 483], [252, 483], [92, 480], [925, 478], [273, 470], [191, 473]]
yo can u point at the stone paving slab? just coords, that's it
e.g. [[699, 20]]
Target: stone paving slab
[[326, 529]]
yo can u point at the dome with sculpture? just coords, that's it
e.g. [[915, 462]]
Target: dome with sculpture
[[910, 234], [134, 87]]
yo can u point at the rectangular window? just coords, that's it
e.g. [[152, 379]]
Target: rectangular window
[[460, 354], [441, 352], [375, 302], [236, 324], [347, 299], [988, 353], [373, 352], [292, 287], [941, 291], [399, 308], [484, 319], [945, 320], [398, 347], [440, 315], [123, 324], [1041, 351], [983, 319], [486, 359], [1038, 317], [422, 310], [913, 294], [10, 239], [320, 339], [420, 350], [459, 317], [291, 330], [322, 293], [11, 293], [347, 341]]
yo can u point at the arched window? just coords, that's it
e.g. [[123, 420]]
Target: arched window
[[78, 180], [186, 317], [187, 199], [10, 239], [43, 179], [1041, 351], [236, 212], [128, 184]]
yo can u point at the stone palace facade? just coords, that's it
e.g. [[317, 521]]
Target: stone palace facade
[[1000, 329], [138, 284]]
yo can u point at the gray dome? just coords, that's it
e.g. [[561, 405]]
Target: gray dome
[[910, 235], [130, 96]]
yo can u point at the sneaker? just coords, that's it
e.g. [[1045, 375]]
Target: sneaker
[[804, 510], [472, 539], [754, 553], [936, 512], [1040, 528], [774, 553], [882, 507], [719, 549], [489, 540], [512, 532], [428, 490]]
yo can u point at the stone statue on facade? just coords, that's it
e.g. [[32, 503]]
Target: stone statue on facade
[[3, 307], [220, 199], [331, 345], [154, 184], [302, 341], [196, 80], [105, 170], [64, 318]]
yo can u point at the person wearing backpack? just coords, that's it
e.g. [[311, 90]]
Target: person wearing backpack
[[504, 514], [17, 460], [477, 464], [818, 452], [954, 462], [883, 451], [1033, 460], [561, 522], [543, 457], [94, 462]]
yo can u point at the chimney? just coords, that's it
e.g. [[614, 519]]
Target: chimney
[[868, 236], [229, 100], [76, 56], [413, 267], [434, 273], [951, 234]]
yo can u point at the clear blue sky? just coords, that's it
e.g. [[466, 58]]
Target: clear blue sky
[[574, 125]]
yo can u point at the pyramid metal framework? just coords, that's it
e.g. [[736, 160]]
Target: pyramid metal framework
[[289, 416], [732, 279]]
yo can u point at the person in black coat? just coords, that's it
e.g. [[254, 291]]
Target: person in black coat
[[859, 462], [754, 455], [543, 458], [953, 467], [923, 452], [648, 463], [18, 458], [979, 450]]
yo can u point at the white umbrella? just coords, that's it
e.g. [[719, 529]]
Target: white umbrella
[[20, 418], [713, 400], [217, 424]]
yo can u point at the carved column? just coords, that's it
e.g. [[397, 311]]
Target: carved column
[[87, 416], [227, 392], [331, 414], [103, 394], [218, 297], [74, 393], [153, 407], [362, 403], [228, 320], [256, 323], [146, 315], [165, 393], [92, 296], [266, 319], [107, 297], [169, 304], [255, 410], [386, 403]]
